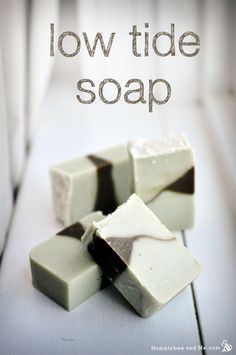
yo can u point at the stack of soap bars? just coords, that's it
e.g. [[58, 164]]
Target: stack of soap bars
[[132, 247]]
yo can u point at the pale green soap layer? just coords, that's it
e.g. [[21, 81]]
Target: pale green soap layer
[[66, 257], [180, 215], [75, 166], [63, 269]]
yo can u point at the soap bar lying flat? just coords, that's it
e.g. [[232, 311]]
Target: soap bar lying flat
[[63, 269], [163, 176], [141, 257], [94, 182]]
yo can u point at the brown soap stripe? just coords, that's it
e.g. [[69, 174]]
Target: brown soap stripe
[[113, 254], [185, 184], [106, 198], [123, 246], [111, 264], [76, 230]]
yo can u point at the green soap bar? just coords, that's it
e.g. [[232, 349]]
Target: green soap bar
[[141, 257], [62, 268], [99, 181], [163, 176]]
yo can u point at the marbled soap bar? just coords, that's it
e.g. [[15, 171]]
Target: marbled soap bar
[[163, 176], [141, 257], [94, 182], [63, 269]]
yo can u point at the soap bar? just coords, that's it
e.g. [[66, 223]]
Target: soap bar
[[63, 269], [94, 182], [141, 257], [163, 176]]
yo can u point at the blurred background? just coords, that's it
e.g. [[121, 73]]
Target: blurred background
[[27, 71]]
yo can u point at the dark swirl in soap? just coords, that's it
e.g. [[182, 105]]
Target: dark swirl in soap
[[109, 261], [76, 230], [113, 254], [184, 184], [106, 198], [123, 246]]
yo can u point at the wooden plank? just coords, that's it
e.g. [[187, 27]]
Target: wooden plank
[[233, 47], [217, 39], [221, 111], [41, 14], [105, 324], [13, 47], [212, 240], [5, 180]]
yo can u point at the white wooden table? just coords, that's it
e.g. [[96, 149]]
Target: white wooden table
[[204, 314]]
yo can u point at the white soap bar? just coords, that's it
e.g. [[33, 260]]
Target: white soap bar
[[141, 257], [163, 176], [63, 269], [94, 182]]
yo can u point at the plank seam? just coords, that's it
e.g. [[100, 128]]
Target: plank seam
[[199, 327]]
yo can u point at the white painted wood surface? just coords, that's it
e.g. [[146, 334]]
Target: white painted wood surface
[[41, 14], [5, 179], [217, 45], [13, 49], [212, 240], [38, 324], [30, 322]]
